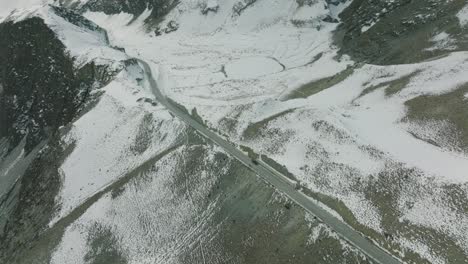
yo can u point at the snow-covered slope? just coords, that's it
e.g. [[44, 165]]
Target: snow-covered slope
[[269, 77], [126, 182], [383, 146], [46, 83], [84, 42]]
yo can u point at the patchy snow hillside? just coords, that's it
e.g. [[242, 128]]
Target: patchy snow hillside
[[83, 39], [124, 181], [321, 90], [142, 187], [268, 75], [48, 80]]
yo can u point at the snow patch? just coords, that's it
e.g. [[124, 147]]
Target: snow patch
[[73, 248], [442, 41], [422, 249], [252, 67], [367, 27], [431, 213], [8, 7], [463, 16]]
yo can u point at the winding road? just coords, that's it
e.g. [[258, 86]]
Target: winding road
[[276, 179]]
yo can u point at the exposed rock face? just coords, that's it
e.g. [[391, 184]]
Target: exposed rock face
[[28, 207], [37, 98], [41, 91], [389, 32]]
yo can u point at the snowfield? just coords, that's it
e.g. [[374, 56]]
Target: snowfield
[[107, 140], [463, 16], [268, 77], [251, 71], [252, 68]]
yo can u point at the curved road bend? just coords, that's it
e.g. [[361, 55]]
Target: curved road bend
[[279, 181]]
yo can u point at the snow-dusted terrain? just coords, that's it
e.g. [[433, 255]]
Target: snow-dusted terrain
[[269, 76], [240, 71]]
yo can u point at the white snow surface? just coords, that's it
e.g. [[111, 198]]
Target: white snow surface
[[437, 217], [104, 138], [150, 222], [367, 27], [442, 41], [237, 70], [9, 6], [252, 67], [211, 4], [230, 68], [463, 16], [193, 58]]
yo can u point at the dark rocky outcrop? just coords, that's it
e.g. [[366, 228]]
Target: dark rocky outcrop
[[40, 91], [399, 31], [40, 88]]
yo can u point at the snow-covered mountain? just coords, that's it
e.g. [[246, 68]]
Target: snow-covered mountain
[[362, 104]]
